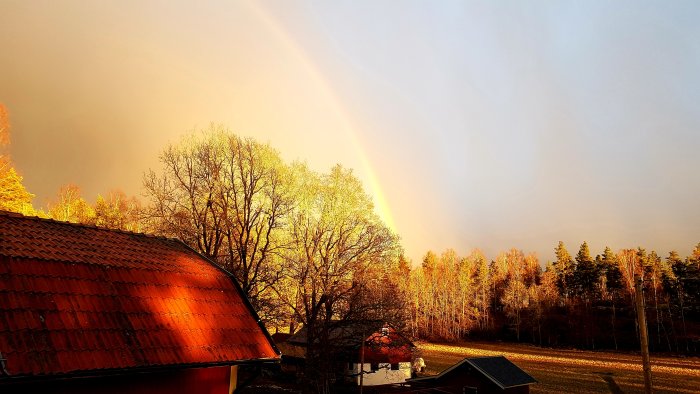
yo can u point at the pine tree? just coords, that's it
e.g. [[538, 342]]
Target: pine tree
[[564, 269], [687, 286], [695, 256], [611, 270], [585, 281], [585, 274], [642, 262], [668, 277], [669, 282], [613, 285]]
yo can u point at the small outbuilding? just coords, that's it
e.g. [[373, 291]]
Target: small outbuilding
[[367, 352], [90, 310], [482, 375]]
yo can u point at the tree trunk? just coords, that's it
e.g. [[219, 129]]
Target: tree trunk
[[613, 324]]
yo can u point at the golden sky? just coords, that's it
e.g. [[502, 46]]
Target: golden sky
[[474, 124]]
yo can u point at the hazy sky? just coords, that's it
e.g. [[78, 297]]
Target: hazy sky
[[490, 124]]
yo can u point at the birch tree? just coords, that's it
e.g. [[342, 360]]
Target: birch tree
[[70, 206]]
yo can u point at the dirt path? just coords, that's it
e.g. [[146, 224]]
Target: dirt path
[[577, 371]]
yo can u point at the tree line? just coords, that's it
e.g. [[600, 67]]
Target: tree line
[[308, 249], [113, 210], [581, 301]]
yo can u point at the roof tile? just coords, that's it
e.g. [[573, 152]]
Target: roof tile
[[79, 298]]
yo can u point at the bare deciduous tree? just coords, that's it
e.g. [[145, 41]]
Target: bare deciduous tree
[[226, 197]]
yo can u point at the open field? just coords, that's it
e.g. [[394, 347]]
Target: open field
[[565, 371]]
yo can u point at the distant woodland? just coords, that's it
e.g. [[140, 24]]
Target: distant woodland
[[308, 249], [576, 301]]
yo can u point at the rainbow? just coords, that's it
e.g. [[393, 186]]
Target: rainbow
[[381, 205]]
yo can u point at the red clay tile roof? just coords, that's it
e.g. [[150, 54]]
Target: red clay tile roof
[[76, 298]]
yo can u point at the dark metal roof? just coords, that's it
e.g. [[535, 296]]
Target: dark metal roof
[[501, 371], [497, 369], [344, 334], [77, 298]]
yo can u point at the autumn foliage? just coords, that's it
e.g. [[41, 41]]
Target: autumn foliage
[[13, 195], [581, 301], [308, 249]]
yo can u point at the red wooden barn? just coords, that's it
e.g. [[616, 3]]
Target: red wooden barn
[[85, 309]]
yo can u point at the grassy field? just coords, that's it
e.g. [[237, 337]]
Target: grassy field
[[565, 371]]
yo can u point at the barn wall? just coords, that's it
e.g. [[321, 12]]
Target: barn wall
[[214, 380], [384, 375], [387, 354], [518, 390]]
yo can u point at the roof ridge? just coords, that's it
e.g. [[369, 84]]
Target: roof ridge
[[83, 225], [486, 373]]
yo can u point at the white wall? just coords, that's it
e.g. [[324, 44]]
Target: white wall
[[384, 375]]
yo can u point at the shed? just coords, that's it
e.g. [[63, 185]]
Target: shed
[[85, 309], [480, 375]]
